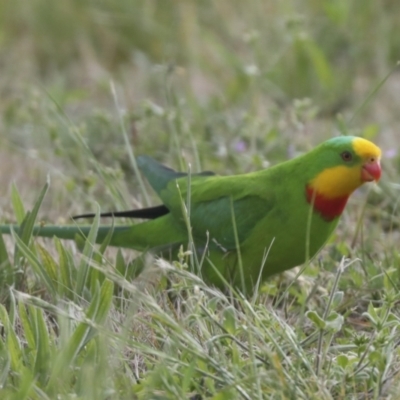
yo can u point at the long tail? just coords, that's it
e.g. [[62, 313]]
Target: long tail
[[71, 232], [162, 232]]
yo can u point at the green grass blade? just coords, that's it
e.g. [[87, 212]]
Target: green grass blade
[[26, 324], [35, 263], [30, 218], [25, 232], [6, 270], [48, 262], [66, 272], [18, 206], [84, 266], [12, 344], [42, 361], [96, 313]]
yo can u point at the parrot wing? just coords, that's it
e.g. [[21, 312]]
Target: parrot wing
[[223, 210], [159, 176]]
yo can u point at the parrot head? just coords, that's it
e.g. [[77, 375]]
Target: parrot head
[[345, 163]]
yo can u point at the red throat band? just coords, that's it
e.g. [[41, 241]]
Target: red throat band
[[329, 208]]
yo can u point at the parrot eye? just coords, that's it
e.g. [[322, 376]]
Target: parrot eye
[[347, 156]]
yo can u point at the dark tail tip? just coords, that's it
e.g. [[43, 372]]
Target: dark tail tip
[[144, 213]]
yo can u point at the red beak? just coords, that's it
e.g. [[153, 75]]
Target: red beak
[[371, 171]]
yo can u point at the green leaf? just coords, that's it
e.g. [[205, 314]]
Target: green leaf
[[66, 271], [316, 319], [342, 360], [36, 265], [42, 361], [29, 220], [17, 204], [96, 313], [226, 394], [120, 264], [372, 314], [48, 262], [134, 268], [188, 376], [229, 320], [84, 265], [107, 239], [334, 322], [26, 324], [337, 299], [6, 270], [26, 381], [12, 344], [26, 228]]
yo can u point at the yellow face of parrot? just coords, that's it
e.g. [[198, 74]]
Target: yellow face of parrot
[[359, 163]]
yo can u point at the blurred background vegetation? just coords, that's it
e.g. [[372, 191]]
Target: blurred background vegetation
[[227, 85]]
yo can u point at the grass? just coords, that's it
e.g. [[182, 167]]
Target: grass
[[224, 86]]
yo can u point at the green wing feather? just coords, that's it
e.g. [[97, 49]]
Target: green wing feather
[[159, 176]]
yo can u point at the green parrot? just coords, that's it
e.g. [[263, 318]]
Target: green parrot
[[244, 228]]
